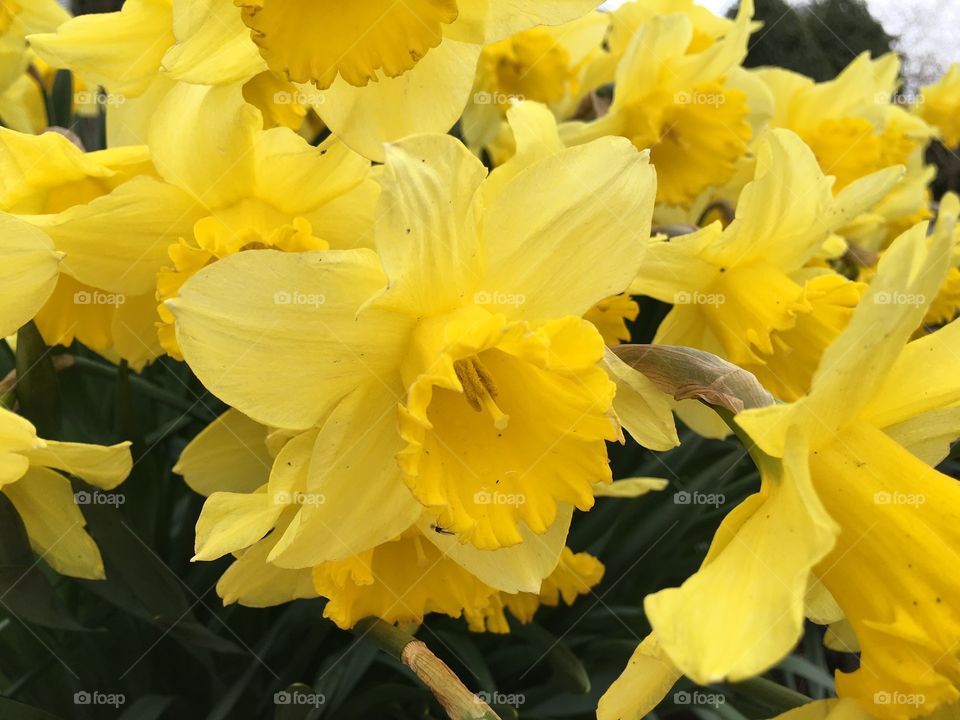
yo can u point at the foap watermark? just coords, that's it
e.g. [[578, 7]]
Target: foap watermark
[[483, 497], [496, 98], [299, 97], [298, 298], [698, 697], [299, 498], [97, 297], [101, 699], [699, 298], [104, 99], [899, 498], [502, 299], [82, 497], [697, 97], [900, 298], [685, 497], [513, 700], [902, 98], [300, 698], [884, 697]]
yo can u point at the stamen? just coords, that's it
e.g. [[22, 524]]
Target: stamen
[[480, 390]]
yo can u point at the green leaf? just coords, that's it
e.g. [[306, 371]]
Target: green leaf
[[24, 590], [150, 707], [297, 702], [60, 111], [12, 710], [37, 387]]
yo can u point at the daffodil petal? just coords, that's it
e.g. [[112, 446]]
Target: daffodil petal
[[910, 273], [773, 215], [629, 487], [145, 217], [930, 435], [213, 45], [674, 269], [427, 219], [645, 411], [276, 335], [766, 552], [233, 521], [254, 582], [646, 680], [214, 123], [536, 138], [44, 499], [427, 99], [916, 384], [519, 568], [535, 230], [102, 466], [28, 272], [355, 448], [487, 21], [120, 50], [229, 455]]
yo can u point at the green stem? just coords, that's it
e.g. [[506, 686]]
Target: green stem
[[451, 693], [147, 388], [770, 693]]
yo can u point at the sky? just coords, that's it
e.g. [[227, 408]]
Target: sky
[[927, 29]]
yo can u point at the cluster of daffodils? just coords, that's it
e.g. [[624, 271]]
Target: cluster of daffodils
[[401, 242]]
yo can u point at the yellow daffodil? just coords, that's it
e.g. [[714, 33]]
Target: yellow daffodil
[[422, 371], [855, 129], [851, 520], [575, 575], [628, 18], [44, 498], [939, 105], [18, 19], [165, 42], [687, 107], [21, 97], [543, 64], [610, 317], [28, 273], [386, 70], [744, 292], [263, 189], [111, 220]]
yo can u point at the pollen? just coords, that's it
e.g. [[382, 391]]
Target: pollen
[[480, 389]]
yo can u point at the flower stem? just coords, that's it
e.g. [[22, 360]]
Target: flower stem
[[451, 693]]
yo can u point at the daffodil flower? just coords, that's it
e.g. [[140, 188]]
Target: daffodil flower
[[543, 64], [44, 498], [575, 575], [164, 42], [259, 189], [22, 105], [744, 292], [17, 21], [685, 107], [939, 105], [110, 220], [851, 520], [451, 369], [854, 129]]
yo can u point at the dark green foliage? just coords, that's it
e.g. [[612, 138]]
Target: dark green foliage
[[818, 40]]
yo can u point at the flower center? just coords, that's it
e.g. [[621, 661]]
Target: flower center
[[480, 390]]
